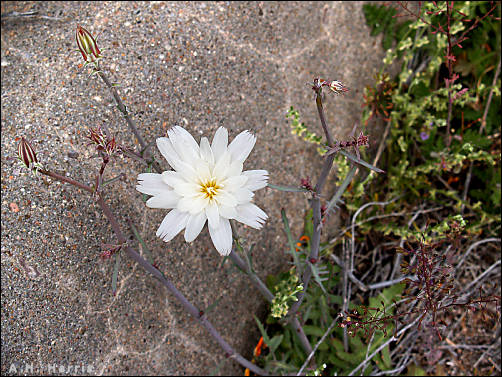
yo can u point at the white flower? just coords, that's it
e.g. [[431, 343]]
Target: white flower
[[207, 183]]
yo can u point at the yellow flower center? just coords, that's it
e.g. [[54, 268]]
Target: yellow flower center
[[209, 189]]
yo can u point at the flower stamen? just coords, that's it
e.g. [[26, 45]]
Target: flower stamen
[[210, 189]]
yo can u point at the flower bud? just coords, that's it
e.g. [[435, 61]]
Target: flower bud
[[337, 87], [87, 45], [27, 155]]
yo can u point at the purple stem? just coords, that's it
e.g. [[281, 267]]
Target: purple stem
[[199, 316], [295, 323], [129, 120], [316, 207]]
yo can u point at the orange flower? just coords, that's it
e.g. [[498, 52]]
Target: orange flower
[[259, 346], [303, 242]]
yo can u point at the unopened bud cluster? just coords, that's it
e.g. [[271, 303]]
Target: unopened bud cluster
[[285, 292], [110, 250], [360, 141], [305, 183], [103, 142]]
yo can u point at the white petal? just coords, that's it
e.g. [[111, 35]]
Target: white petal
[[251, 215], [219, 144], [225, 198], [193, 205], [194, 226], [184, 144], [188, 171], [189, 190], [213, 216], [151, 184], [241, 146], [222, 237], [221, 168], [257, 179], [166, 200], [227, 212], [234, 183], [172, 224], [203, 171], [235, 168], [206, 152], [243, 195], [180, 186], [166, 148], [172, 178]]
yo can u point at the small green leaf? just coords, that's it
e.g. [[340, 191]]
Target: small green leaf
[[249, 258], [361, 162], [143, 244], [290, 240], [342, 188], [313, 330], [115, 273], [317, 278], [274, 343], [266, 339], [386, 358], [213, 305]]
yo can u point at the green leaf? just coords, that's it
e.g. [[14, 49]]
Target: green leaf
[[356, 345], [349, 357], [337, 362], [274, 343], [342, 188], [115, 273], [266, 339], [292, 248], [337, 344], [386, 358], [249, 257], [313, 330], [323, 346], [143, 244], [414, 370], [361, 162], [213, 305], [317, 278]]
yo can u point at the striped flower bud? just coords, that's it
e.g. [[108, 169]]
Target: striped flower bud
[[27, 155], [337, 87], [87, 45]]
